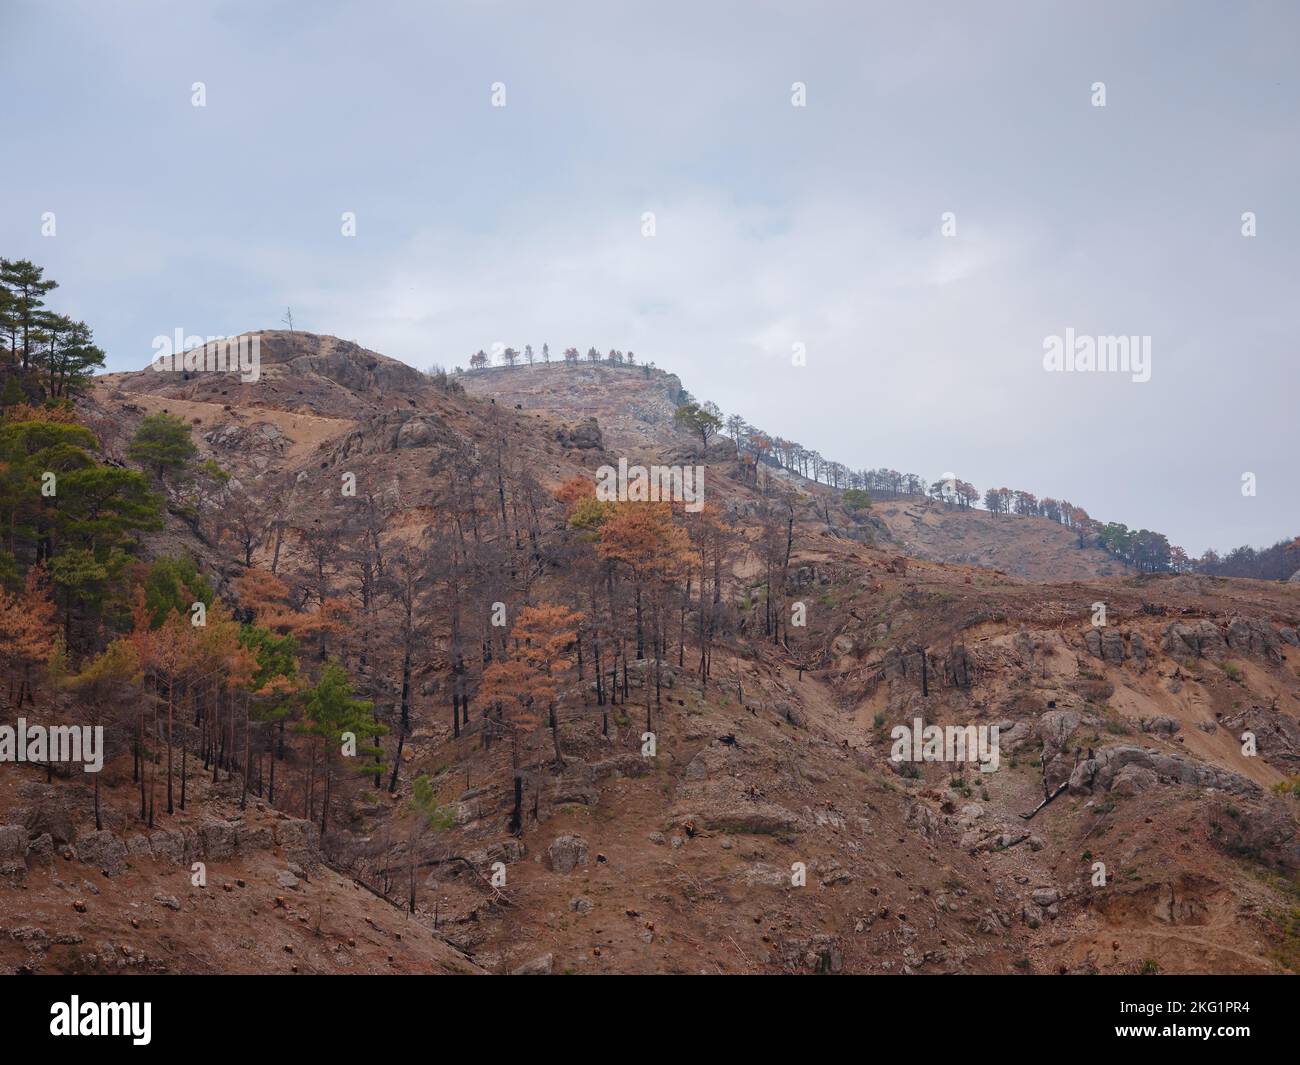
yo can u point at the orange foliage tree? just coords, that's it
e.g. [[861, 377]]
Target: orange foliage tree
[[27, 631], [521, 687], [643, 538]]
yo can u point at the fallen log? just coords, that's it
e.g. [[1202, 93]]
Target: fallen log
[[1061, 788]]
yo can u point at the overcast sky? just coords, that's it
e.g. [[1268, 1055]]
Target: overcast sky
[[775, 225]]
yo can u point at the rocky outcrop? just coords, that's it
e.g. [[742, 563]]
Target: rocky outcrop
[[103, 850], [395, 430], [260, 442], [214, 841], [508, 851], [715, 797], [1138, 649], [1248, 636], [1101, 772], [13, 842], [585, 436], [300, 841], [1277, 735], [13, 850], [1115, 647], [1242, 636], [1201, 639], [958, 669], [50, 812], [1106, 644], [218, 840], [1134, 779], [820, 953]]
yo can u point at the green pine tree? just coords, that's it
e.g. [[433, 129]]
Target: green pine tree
[[330, 711], [164, 446], [26, 285]]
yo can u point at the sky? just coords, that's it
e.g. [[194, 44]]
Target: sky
[[948, 197]]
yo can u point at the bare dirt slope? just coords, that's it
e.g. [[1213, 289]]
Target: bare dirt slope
[[125, 900]]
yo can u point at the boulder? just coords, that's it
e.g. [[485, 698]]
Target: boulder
[[137, 846], [13, 842], [756, 817], [1133, 779], [566, 853], [1055, 728], [1112, 647], [1092, 642], [104, 850], [1137, 645], [300, 841], [538, 966], [1201, 639], [168, 844], [219, 840], [41, 849], [48, 813]]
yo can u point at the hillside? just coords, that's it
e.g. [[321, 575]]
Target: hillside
[[1030, 547], [778, 763], [634, 407]]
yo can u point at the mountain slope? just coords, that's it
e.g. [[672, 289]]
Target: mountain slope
[[770, 830]]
